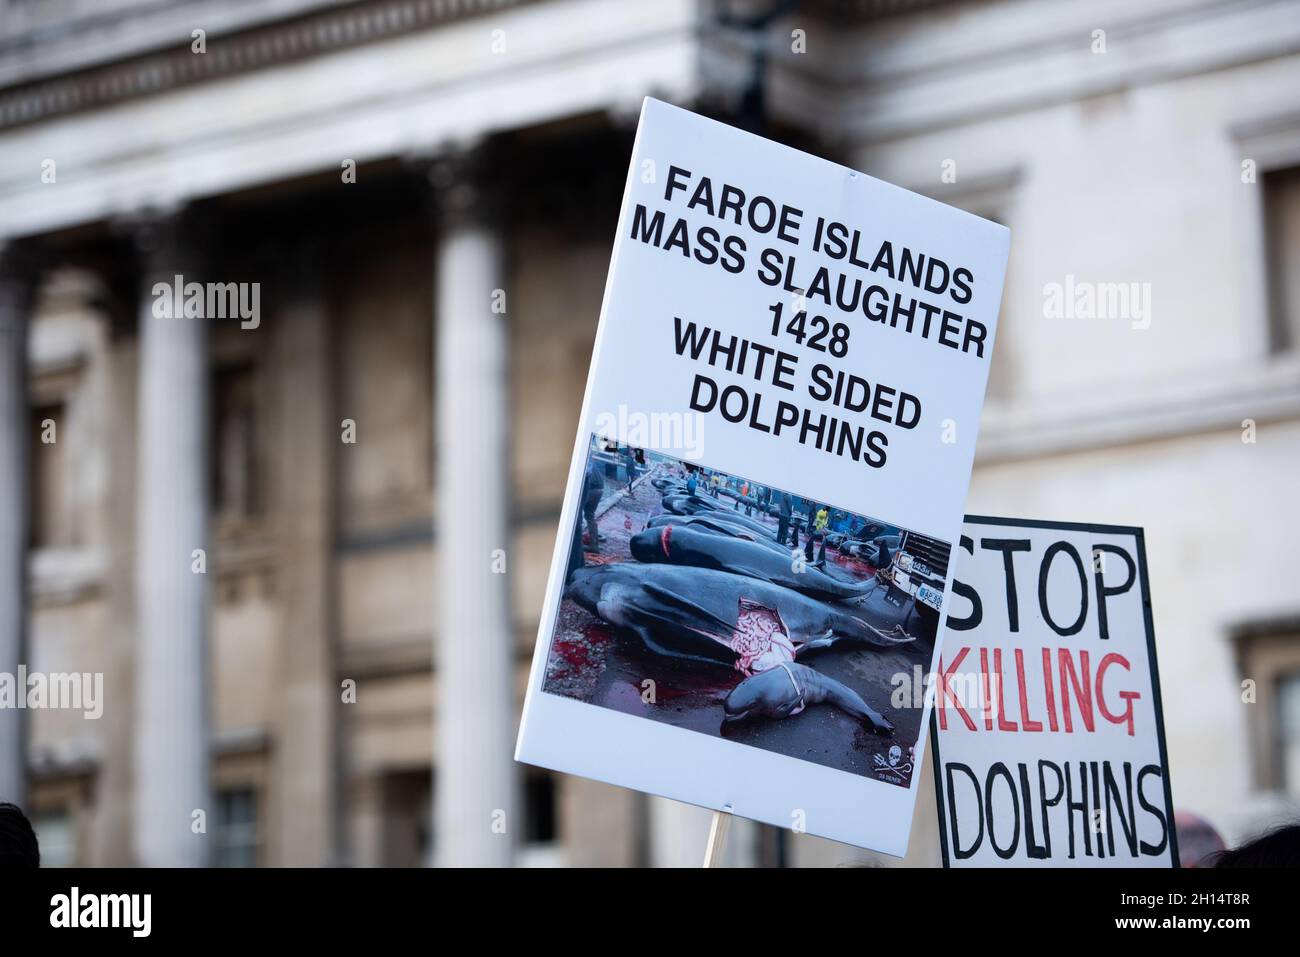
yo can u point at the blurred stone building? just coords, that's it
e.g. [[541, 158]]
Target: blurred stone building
[[275, 536]]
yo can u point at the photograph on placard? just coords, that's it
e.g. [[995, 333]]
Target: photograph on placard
[[713, 602]]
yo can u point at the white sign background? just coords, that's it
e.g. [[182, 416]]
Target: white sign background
[[922, 486], [1130, 634]]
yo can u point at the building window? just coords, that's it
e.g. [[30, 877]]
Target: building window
[[540, 841], [1269, 658], [50, 520], [539, 844], [407, 811], [57, 835], [424, 847], [235, 460], [235, 832], [1282, 225], [1288, 732], [773, 850], [541, 819]]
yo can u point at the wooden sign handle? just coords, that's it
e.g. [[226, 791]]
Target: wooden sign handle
[[717, 838]]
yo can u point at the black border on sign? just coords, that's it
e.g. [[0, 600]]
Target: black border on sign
[[1140, 539]]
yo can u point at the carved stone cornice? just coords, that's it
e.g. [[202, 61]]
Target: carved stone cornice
[[233, 54], [466, 182], [166, 240]]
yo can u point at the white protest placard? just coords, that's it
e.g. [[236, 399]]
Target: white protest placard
[[1049, 736], [770, 472]]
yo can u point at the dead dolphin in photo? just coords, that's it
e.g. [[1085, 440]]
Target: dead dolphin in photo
[[787, 689], [869, 552], [751, 523], [681, 503], [670, 486], [677, 503], [719, 524], [696, 613], [694, 505], [683, 545]]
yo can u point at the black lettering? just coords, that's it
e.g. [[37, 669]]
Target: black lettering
[[1045, 570], [647, 232], [1102, 591], [676, 173], [958, 851], [1151, 850], [696, 404], [1000, 770], [970, 594], [1008, 547]]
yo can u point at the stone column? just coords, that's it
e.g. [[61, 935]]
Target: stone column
[[678, 833], [18, 279], [172, 730], [476, 814], [111, 830], [305, 779]]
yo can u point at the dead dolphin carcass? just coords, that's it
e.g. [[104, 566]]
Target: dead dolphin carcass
[[683, 503], [695, 505], [719, 524], [717, 617], [787, 689], [670, 486], [686, 545], [869, 552], [752, 523], [678, 503]]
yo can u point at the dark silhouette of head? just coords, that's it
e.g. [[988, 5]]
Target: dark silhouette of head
[[1279, 847], [1198, 842], [18, 846]]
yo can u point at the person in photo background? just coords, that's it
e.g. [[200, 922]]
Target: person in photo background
[[629, 463], [783, 512], [592, 490], [820, 517]]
